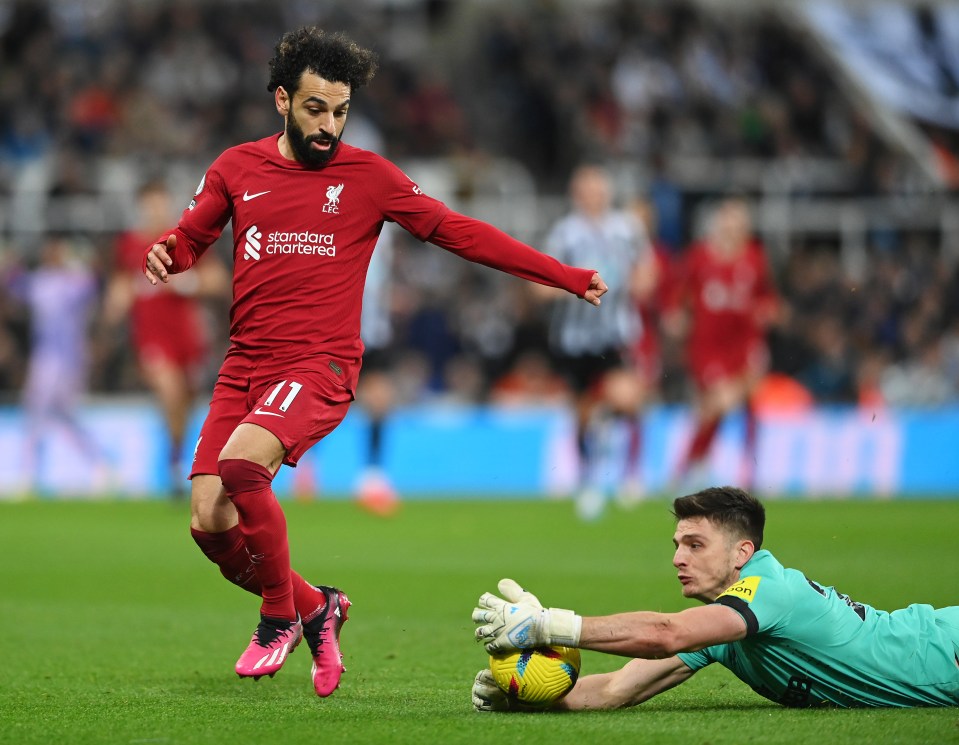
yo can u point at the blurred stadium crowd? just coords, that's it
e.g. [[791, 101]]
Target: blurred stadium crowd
[[98, 97]]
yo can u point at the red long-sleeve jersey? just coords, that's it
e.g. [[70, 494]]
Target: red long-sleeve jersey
[[302, 242], [731, 303]]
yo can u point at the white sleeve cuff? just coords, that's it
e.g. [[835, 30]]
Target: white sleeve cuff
[[564, 627]]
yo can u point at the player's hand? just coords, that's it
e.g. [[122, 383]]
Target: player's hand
[[487, 696], [511, 591], [523, 624], [510, 625], [158, 259], [597, 288]]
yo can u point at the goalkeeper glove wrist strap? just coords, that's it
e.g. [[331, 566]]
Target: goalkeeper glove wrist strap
[[564, 627]]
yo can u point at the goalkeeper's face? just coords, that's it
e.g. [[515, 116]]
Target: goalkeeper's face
[[707, 558]]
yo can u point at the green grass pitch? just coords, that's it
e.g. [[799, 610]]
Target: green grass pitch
[[117, 630]]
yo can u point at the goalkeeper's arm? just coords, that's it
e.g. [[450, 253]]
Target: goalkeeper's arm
[[660, 635], [524, 624], [635, 682]]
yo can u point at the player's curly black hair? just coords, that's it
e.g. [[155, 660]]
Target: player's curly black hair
[[332, 56], [740, 513]]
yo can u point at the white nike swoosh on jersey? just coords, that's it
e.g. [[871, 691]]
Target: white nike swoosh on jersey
[[247, 196], [267, 413]]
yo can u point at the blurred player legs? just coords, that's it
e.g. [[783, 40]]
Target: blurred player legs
[[715, 401], [174, 391], [50, 400]]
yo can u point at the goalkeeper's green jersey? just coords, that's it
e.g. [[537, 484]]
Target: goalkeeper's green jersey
[[809, 645]]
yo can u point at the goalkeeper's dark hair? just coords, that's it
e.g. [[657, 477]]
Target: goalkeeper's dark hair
[[332, 56], [731, 508]]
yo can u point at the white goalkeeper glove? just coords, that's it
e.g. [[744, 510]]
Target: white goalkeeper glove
[[487, 696], [522, 623]]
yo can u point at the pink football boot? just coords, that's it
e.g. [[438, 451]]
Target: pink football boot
[[323, 638], [271, 644]]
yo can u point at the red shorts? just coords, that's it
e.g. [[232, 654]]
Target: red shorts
[[711, 366], [301, 406], [169, 329]]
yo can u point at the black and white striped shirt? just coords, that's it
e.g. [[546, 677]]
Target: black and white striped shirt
[[612, 244]]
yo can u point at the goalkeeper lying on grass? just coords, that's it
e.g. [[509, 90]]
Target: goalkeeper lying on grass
[[790, 639]]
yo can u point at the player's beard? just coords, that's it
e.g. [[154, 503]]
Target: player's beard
[[301, 144]]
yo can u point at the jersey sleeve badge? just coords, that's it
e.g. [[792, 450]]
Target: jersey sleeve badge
[[745, 589], [738, 597], [199, 190]]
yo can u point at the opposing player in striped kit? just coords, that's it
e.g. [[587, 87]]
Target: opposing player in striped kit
[[593, 351], [306, 210]]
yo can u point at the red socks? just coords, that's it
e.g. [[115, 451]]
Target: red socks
[[308, 600], [634, 446], [749, 459], [263, 526], [700, 444], [228, 551]]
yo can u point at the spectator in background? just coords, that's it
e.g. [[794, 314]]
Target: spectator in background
[[60, 295], [722, 303], [14, 325], [830, 374], [593, 350], [168, 326], [921, 379], [530, 381]]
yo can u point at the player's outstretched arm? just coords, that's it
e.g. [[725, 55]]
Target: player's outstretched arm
[[480, 242], [517, 622], [658, 635], [635, 682]]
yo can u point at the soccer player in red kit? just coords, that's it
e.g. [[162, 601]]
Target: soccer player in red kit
[[306, 210], [168, 328], [725, 287]]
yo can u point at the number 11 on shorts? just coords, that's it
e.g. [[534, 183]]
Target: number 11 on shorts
[[294, 389]]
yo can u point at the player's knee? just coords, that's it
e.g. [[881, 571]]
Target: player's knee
[[622, 391], [210, 510], [240, 476]]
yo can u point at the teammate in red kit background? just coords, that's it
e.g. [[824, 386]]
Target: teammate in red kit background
[[167, 324], [726, 292], [306, 210], [648, 347]]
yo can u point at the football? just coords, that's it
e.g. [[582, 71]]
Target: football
[[536, 677]]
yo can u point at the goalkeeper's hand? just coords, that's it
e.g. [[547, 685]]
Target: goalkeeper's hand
[[487, 696], [522, 623], [511, 590]]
